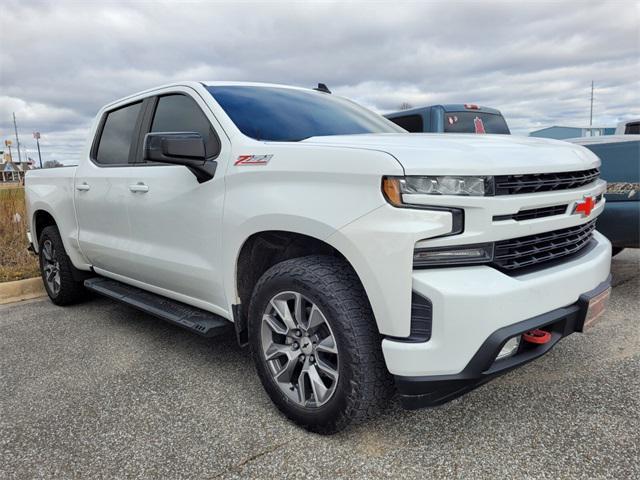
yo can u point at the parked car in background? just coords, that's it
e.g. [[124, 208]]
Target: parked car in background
[[452, 118], [620, 156], [629, 127]]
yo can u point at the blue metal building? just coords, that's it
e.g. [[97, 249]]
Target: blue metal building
[[561, 133]]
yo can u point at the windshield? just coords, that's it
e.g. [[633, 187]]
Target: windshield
[[474, 122], [286, 114]]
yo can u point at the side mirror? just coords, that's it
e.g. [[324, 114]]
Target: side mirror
[[180, 148]]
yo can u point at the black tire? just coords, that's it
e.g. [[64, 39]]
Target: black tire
[[616, 250], [364, 385], [70, 291]]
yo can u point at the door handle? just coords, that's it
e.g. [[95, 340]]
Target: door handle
[[139, 188], [83, 187]]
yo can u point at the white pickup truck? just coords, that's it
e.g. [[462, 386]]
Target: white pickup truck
[[356, 260]]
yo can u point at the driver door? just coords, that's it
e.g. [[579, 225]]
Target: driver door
[[176, 221]]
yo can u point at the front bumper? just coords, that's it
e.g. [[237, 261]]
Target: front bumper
[[428, 391], [470, 303]]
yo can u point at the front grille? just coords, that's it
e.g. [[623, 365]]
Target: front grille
[[533, 213], [518, 253], [543, 182]]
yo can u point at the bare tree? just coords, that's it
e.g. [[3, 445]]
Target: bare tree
[[52, 164], [405, 106]]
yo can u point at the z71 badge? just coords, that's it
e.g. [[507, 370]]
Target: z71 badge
[[253, 160]]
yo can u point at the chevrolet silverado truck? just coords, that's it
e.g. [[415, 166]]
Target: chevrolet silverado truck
[[357, 261]]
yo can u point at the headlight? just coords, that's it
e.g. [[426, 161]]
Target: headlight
[[395, 187], [463, 254], [473, 186]]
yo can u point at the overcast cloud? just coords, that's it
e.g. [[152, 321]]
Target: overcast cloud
[[59, 62]]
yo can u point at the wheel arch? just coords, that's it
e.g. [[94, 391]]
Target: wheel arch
[[41, 219], [259, 252]]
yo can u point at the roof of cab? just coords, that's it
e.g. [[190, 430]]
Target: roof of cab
[[250, 84], [192, 83]]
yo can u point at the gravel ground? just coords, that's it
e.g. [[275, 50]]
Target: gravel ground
[[100, 390]]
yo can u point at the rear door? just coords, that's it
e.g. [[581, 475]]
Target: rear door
[[176, 221], [102, 191]]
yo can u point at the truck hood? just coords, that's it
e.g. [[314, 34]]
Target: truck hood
[[462, 154]]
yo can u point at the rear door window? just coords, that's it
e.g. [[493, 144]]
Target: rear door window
[[118, 132]]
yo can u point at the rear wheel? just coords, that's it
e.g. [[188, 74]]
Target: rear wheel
[[57, 270], [315, 344]]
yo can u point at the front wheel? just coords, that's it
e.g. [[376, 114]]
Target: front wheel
[[315, 344]]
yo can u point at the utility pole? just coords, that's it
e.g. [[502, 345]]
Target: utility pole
[[15, 128], [36, 135], [591, 111]]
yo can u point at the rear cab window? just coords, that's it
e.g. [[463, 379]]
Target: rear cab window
[[475, 122]]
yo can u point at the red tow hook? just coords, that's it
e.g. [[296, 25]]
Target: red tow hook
[[537, 336]]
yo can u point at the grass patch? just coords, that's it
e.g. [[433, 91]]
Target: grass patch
[[16, 263]]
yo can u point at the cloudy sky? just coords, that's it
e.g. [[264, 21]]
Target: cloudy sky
[[60, 61]]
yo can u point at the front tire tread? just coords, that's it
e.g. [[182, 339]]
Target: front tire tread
[[339, 286]]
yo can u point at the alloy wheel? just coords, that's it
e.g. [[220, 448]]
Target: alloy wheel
[[300, 349], [51, 267]]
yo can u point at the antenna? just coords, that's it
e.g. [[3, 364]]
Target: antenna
[[322, 88]]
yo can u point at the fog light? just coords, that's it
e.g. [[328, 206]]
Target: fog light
[[510, 348]]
